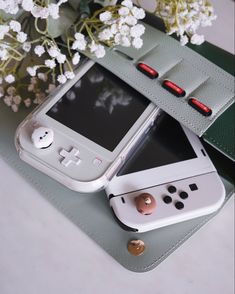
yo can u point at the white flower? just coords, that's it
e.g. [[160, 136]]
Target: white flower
[[183, 40], [32, 70], [17, 99], [80, 45], [9, 78], [197, 39], [76, 58], [125, 41], [42, 76], [27, 5], [127, 3], [137, 43], [118, 39], [124, 30], [123, 11], [4, 29], [61, 79], [40, 12], [105, 16], [8, 100], [53, 10], [26, 46], [11, 90], [138, 13], [39, 50], [100, 52], [137, 30], [69, 75], [27, 102], [130, 20], [105, 35], [114, 29], [3, 54], [53, 51], [21, 37], [50, 63], [51, 88], [61, 58], [14, 107], [79, 37], [15, 26]]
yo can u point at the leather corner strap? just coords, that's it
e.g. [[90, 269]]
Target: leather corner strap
[[184, 84]]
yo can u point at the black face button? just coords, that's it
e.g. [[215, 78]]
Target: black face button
[[193, 187], [179, 205], [171, 189], [183, 195], [167, 199]]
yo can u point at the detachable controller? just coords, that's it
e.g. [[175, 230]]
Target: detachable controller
[[168, 203]]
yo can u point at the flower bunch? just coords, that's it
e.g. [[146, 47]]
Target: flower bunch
[[30, 50], [184, 17]]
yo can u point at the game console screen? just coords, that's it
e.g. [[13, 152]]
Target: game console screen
[[166, 143], [100, 107]]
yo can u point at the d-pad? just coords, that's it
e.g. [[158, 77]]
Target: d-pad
[[70, 157]]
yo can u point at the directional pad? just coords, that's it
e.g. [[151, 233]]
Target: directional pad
[[70, 157]]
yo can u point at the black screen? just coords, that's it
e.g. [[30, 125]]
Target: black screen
[[101, 107], [166, 143]]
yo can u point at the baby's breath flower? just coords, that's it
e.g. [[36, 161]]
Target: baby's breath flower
[[39, 50], [124, 11], [137, 43], [105, 16], [53, 10], [69, 75], [51, 88], [50, 63], [32, 70], [105, 35], [53, 51], [21, 37], [76, 58], [15, 26], [26, 46], [14, 107], [138, 13], [137, 30], [27, 5], [61, 79], [42, 76], [27, 102], [61, 58], [9, 78], [17, 99], [127, 3], [197, 39]]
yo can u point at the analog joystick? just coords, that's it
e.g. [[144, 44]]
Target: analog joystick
[[145, 203]]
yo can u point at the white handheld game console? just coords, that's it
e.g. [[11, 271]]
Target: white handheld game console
[[168, 179], [83, 132]]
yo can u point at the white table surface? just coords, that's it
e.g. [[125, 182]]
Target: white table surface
[[43, 252]]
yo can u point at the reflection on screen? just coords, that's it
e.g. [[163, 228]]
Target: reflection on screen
[[166, 143], [101, 107]]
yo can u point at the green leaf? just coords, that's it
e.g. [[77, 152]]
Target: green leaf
[[57, 27]]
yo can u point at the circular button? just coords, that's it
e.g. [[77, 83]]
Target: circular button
[[145, 203], [136, 247], [167, 199], [179, 205], [42, 137], [171, 189], [183, 195]]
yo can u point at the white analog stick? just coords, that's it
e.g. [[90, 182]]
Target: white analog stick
[[42, 137]]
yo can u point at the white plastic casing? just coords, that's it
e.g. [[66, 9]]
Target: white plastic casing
[[97, 165], [207, 198]]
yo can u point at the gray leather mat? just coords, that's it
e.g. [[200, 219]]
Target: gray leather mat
[[91, 212]]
